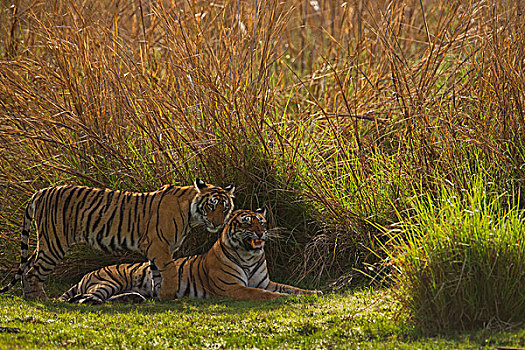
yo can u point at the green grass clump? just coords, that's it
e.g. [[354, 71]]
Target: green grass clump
[[460, 260]]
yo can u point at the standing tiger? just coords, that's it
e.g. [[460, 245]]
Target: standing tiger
[[154, 224], [235, 267]]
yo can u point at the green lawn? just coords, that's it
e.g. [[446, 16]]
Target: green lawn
[[364, 319]]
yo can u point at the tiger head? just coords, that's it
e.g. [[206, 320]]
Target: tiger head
[[212, 205], [246, 231]]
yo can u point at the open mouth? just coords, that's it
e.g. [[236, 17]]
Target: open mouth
[[255, 243]]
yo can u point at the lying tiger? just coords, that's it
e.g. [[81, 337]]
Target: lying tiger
[[234, 267]]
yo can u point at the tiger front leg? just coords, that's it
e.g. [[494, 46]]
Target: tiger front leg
[[169, 283], [161, 259], [240, 292], [286, 289]]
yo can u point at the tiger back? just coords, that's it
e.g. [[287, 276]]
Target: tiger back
[[154, 224], [235, 267]]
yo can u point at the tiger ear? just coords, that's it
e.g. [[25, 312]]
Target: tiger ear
[[261, 211], [230, 189], [200, 185]]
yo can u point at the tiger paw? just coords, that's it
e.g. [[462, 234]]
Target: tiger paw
[[166, 295], [312, 292], [167, 291]]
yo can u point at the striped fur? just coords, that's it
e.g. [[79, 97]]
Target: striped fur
[[135, 282], [154, 224], [234, 267]]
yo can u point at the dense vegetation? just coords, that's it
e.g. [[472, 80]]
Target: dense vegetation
[[342, 118]]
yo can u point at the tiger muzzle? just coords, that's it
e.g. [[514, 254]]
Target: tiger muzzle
[[255, 242]]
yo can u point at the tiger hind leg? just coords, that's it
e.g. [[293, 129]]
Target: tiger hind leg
[[92, 299], [33, 280], [33, 288], [129, 297], [87, 299]]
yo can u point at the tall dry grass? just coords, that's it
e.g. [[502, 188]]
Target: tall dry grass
[[325, 112]]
